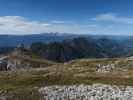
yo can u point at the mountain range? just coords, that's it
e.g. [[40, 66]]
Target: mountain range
[[65, 47], [82, 47], [14, 40]]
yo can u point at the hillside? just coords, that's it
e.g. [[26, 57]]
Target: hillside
[[75, 65], [22, 58], [80, 47], [26, 76], [26, 84]]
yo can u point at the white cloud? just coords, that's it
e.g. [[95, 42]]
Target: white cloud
[[114, 18], [20, 25]]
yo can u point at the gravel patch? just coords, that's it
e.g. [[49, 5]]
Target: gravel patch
[[87, 92]]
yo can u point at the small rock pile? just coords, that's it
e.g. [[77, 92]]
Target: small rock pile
[[87, 92], [105, 68]]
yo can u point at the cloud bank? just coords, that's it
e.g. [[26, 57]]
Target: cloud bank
[[20, 25], [108, 24], [114, 18], [17, 24]]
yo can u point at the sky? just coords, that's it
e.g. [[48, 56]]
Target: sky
[[108, 17]]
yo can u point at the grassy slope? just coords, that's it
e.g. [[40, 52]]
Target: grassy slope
[[74, 72], [24, 84]]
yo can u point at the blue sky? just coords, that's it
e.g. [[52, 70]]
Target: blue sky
[[66, 16]]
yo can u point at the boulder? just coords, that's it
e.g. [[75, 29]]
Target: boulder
[[3, 65]]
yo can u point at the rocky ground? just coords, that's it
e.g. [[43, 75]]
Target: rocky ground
[[72, 92], [87, 92]]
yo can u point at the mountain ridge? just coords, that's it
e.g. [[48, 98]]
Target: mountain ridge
[[14, 40]]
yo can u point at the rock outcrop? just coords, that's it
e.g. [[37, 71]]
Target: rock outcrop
[[105, 68], [4, 63]]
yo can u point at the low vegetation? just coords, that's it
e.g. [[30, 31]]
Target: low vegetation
[[24, 84], [75, 72]]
